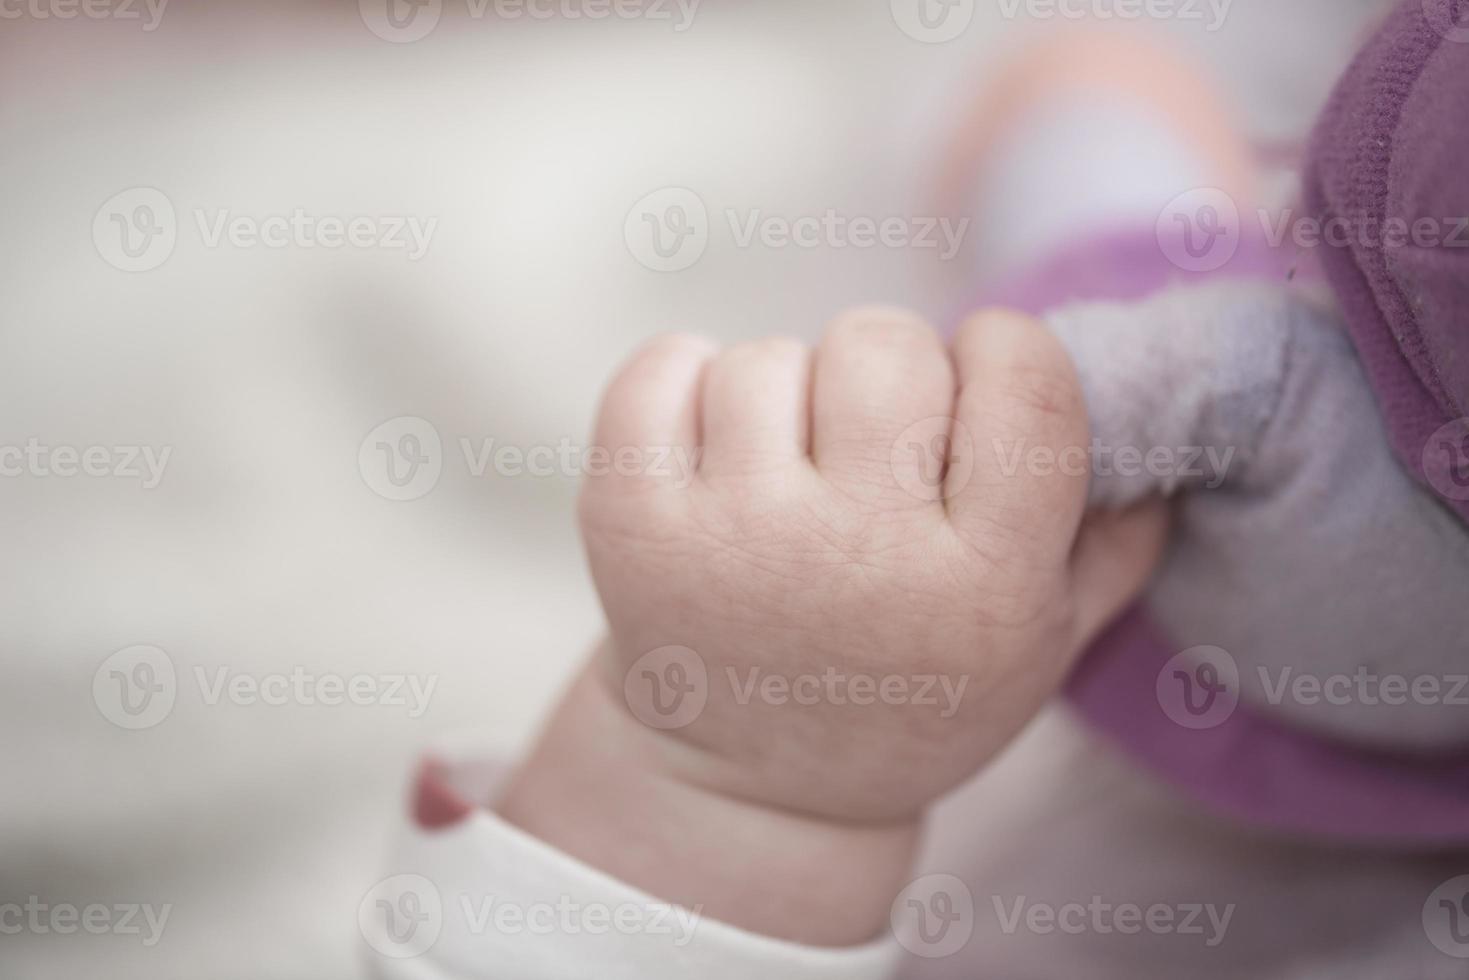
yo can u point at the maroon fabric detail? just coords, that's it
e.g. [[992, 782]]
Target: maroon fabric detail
[[1391, 146], [436, 804]]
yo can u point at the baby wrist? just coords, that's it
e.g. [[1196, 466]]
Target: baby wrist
[[597, 787]]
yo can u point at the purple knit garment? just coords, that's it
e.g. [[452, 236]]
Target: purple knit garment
[[1393, 145], [1393, 142]]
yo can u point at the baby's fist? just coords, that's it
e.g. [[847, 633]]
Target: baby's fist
[[828, 586]]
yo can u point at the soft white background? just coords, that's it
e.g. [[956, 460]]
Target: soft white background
[[264, 549]]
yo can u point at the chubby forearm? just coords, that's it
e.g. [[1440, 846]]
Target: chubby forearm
[[598, 787]]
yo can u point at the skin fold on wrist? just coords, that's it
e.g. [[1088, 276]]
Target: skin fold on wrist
[[595, 787]]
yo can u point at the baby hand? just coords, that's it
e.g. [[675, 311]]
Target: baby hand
[[852, 604], [844, 610]]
